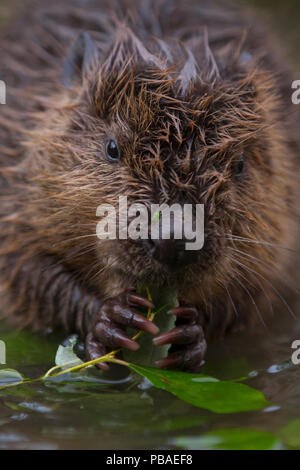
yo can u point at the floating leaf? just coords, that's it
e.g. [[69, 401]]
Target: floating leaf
[[204, 391], [230, 439], [10, 376], [65, 353]]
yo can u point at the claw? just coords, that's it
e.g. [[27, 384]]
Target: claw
[[131, 317], [186, 312], [95, 349], [179, 335], [170, 362], [139, 300], [114, 337], [107, 330], [188, 359], [194, 356]]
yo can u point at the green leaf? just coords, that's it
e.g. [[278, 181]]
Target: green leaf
[[155, 217], [164, 300], [65, 354], [230, 439], [9, 376], [204, 391], [290, 434]]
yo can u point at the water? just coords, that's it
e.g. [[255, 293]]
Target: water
[[94, 414]]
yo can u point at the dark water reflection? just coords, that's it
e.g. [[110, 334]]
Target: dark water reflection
[[101, 415]]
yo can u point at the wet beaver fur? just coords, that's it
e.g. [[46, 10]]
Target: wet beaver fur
[[195, 106]]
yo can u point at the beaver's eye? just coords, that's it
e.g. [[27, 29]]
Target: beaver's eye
[[112, 151], [239, 167]]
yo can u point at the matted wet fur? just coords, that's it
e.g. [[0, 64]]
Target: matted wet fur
[[200, 107]]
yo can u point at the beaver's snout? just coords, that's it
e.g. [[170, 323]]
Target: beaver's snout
[[171, 252]]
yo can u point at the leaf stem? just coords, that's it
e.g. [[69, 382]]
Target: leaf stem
[[109, 357]]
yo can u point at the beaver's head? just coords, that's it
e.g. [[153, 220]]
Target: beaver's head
[[159, 122]]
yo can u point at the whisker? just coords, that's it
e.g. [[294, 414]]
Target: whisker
[[97, 273], [284, 280], [74, 239], [250, 296], [230, 298], [259, 242], [79, 253], [268, 282], [260, 285], [92, 268]]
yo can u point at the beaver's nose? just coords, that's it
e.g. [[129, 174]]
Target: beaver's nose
[[167, 241], [171, 252]]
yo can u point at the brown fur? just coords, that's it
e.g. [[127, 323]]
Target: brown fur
[[176, 90]]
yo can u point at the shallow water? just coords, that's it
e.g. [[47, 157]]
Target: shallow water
[[106, 414]]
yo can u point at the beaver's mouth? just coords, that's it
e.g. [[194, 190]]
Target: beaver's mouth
[[153, 270], [137, 261], [170, 254]]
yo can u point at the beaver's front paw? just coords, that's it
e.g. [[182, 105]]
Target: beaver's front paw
[[187, 339], [108, 330]]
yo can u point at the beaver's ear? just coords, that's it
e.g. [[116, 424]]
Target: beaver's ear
[[81, 56]]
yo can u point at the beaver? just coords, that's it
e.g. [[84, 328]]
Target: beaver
[[163, 102]]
